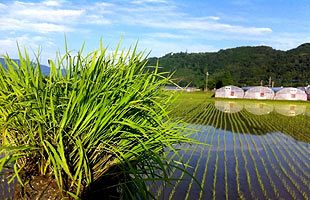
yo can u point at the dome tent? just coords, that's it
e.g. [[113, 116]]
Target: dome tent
[[259, 92], [308, 92], [291, 93], [229, 91]]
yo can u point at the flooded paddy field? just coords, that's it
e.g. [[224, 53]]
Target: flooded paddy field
[[249, 150]]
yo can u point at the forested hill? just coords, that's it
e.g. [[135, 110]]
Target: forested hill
[[239, 66], [45, 69]]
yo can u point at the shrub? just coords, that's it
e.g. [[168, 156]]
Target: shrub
[[97, 117]]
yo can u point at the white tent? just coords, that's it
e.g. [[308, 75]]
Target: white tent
[[308, 92], [259, 92], [229, 92], [291, 93]]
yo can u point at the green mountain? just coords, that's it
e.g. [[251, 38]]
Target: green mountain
[[242, 66], [45, 69]]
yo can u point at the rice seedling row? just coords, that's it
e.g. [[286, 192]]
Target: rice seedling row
[[187, 166], [290, 149], [240, 193], [203, 150], [244, 158], [216, 160], [225, 163], [297, 151], [206, 130], [195, 147], [178, 155], [278, 169], [203, 193], [297, 179], [299, 154], [263, 162], [294, 186], [250, 157], [287, 158], [257, 173], [290, 159]]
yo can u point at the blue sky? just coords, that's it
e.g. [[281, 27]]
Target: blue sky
[[160, 26]]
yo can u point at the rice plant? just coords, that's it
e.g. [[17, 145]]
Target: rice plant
[[96, 119]]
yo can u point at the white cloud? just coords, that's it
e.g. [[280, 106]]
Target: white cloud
[[158, 48], [55, 16], [214, 18], [285, 41], [33, 42], [2, 6], [48, 15], [198, 25], [161, 25], [164, 35], [149, 1], [22, 25], [168, 16], [51, 3], [97, 19]]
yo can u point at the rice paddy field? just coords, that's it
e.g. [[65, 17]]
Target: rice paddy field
[[248, 150]]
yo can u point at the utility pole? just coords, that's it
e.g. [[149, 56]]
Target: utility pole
[[207, 75]]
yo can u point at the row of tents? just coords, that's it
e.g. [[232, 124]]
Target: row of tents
[[260, 92]]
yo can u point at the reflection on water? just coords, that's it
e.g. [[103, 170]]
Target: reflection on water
[[256, 150], [261, 108], [256, 118], [228, 106], [290, 109], [240, 166], [258, 108]]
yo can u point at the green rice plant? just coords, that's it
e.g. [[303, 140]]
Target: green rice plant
[[240, 193], [290, 167], [225, 160], [276, 171], [213, 130], [97, 116], [271, 182], [206, 113]]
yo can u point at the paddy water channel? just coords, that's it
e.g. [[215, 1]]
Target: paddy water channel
[[250, 150]]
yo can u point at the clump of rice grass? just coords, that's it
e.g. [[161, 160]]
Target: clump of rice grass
[[99, 118]]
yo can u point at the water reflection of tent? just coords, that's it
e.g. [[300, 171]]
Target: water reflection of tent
[[228, 106], [259, 92], [290, 109], [308, 111], [229, 91], [258, 108], [291, 93]]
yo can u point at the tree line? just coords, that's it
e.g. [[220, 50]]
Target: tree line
[[241, 66]]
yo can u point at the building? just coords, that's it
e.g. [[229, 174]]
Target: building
[[259, 92], [291, 93], [229, 92]]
